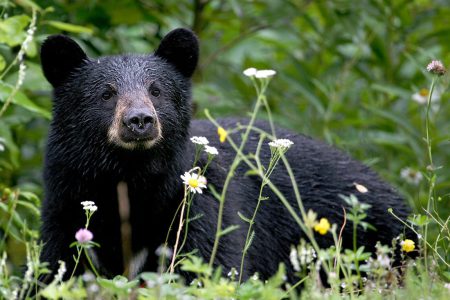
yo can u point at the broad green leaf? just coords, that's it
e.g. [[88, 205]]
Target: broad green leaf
[[22, 100], [70, 27], [12, 30]]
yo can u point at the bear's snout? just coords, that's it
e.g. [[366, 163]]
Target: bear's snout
[[139, 122], [139, 125], [135, 125]]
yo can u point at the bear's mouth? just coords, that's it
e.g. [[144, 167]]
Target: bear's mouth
[[131, 139]]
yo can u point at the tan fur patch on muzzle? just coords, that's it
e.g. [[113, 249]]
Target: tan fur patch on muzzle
[[123, 104]]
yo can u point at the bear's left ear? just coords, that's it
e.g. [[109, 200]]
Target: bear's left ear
[[60, 56], [180, 48]]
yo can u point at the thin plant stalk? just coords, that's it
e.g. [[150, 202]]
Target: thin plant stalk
[[180, 227], [30, 34], [424, 240], [233, 167], [277, 192], [431, 178]]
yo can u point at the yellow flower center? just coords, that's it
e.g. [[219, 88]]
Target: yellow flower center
[[222, 134], [323, 226], [408, 245], [423, 92], [193, 182]]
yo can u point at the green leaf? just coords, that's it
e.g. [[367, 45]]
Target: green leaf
[[228, 230], [195, 264], [22, 100], [70, 27], [250, 241], [252, 172], [214, 192], [30, 206], [12, 30], [28, 4], [244, 218]]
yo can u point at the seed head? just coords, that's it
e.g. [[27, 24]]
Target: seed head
[[436, 67]]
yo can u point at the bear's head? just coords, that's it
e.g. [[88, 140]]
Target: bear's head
[[128, 101]]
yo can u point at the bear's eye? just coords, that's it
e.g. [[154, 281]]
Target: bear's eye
[[155, 91], [107, 95]]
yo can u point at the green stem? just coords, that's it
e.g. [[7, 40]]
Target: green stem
[[230, 174], [283, 199], [431, 169], [90, 262], [79, 249], [249, 232], [425, 241], [355, 250]]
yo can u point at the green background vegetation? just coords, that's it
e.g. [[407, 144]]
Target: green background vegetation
[[346, 73]]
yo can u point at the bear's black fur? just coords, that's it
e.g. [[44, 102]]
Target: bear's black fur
[[94, 143]]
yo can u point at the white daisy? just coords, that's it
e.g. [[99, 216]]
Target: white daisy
[[421, 96], [411, 176], [194, 182]]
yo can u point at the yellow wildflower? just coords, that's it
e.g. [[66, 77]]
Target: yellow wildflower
[[408, 245], [323, 226], [222, 134]]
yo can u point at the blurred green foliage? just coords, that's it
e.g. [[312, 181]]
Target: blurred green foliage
[[347, 73]]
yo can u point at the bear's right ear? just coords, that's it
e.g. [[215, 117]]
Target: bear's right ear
[[180, 48], [60, 55]]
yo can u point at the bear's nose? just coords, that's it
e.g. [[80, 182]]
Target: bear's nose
[[138, 121]]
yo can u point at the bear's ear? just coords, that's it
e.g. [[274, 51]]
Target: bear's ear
[[60, 55], [180, 48]]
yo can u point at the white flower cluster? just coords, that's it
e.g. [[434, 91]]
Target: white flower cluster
[[282, 144], [202, 141], [61, 271], [22, 73], [293, 257], [253, 72], [26, 43], [199, 140], [211, 150], [89, 205], [304, 258]]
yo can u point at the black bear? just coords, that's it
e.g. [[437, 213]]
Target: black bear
[[127, 118]]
